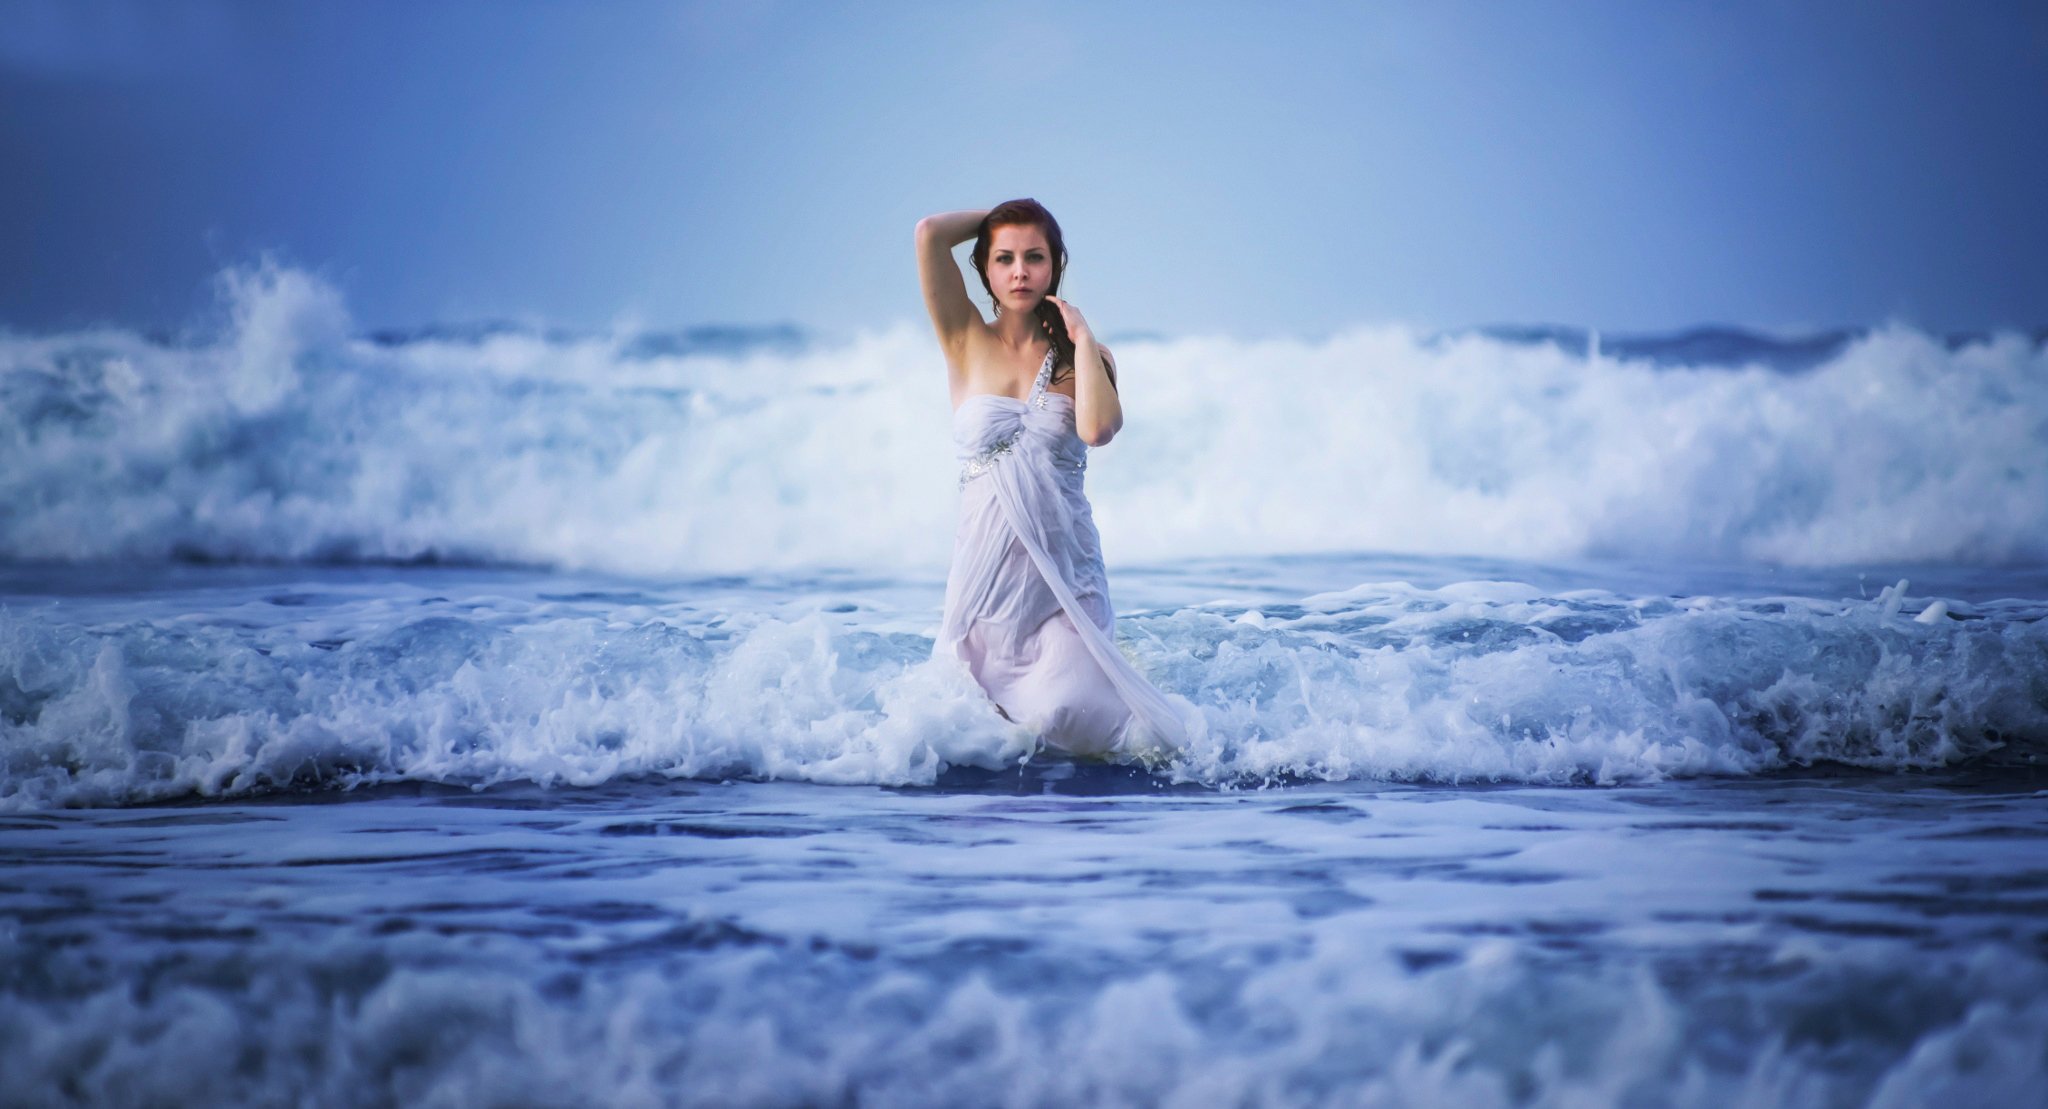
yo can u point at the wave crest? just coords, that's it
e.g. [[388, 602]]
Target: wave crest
[[287, 438]]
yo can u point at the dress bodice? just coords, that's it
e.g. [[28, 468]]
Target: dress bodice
[[988, 427]]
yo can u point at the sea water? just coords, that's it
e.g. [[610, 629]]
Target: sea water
[[503, 717]]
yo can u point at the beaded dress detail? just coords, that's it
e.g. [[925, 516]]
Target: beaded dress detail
[[1027, 601]]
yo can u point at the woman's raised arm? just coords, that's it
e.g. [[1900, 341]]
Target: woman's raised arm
[[945, 289]]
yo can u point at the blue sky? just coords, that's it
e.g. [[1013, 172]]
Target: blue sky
[[1249, 169]]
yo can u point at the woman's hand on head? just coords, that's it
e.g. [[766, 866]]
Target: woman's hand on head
[[1076, 326]]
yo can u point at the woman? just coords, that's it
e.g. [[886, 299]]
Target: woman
[[1027, 602]]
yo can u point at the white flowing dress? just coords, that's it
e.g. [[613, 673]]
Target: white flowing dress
[[1027, 601]]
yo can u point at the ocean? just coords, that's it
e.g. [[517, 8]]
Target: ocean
[[498, 715]]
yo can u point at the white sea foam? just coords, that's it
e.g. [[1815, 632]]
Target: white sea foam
[[285, 438], [1480, 681]]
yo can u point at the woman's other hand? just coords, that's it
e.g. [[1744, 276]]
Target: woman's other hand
[[1076, 326]]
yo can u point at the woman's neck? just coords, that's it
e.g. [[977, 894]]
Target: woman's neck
[[1019, 330]]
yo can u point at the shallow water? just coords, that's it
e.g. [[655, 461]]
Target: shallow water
[[1053, 934], [1462, 831]]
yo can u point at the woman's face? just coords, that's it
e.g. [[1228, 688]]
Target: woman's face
[[1019, 266]]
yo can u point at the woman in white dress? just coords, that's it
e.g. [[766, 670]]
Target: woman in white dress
[[1027, 602]]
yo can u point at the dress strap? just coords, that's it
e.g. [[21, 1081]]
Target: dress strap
[[1037, 397]]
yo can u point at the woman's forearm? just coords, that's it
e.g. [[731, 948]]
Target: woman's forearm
[[1098, 414], [952, 228]]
